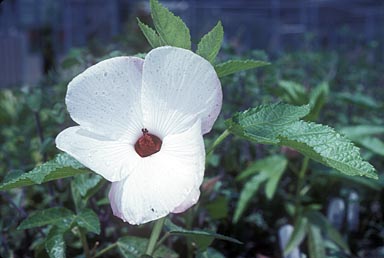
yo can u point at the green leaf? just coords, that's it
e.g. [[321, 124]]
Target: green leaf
[[317, 100], [278, 124], [272, 166], [264, 123], [134, 247], [315, 242], [292, 92], [274, 177], [210, 253], [318, 219], [373, 144], [171, 28], [359, 99], [54, 244], [88, 220], [150, 34], [233, 66], [201, 238], [298, 235], [209, 45], [61, 166], [323, 144], [61, 217], [248, 191], [218, 209], [359, 131], [86, 182]]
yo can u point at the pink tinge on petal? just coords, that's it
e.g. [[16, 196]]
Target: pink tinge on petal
[[164, 182], [191, 200]]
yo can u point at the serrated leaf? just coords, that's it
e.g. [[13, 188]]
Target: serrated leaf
[[249, 190], [264, 123], [61, 166], [150, 34], [202, 238], [278, 124], [88, 220], [209, 45], [54, 244], [59, 216], [315, 242], [298, 235], [171, 29], [323, 144], [134, 247], [233, 66]]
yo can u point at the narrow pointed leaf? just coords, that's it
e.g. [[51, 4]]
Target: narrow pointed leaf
[[249, 190], [61, 166], [88, 220], [359, 131], [58, 216], [279, 124], [318, 219], [317, 100], [292, 92], [274, 177], [134, 247], [234, 66], [315, 242], [150, 34], [202, 238], [209, 45], [54, 244], [298, 235], [171, 28]]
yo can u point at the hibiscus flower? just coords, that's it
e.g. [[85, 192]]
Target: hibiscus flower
[[141, 123]]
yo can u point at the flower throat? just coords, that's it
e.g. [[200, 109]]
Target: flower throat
[[147, 144]]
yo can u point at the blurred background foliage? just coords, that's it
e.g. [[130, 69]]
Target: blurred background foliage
[[347, 86]]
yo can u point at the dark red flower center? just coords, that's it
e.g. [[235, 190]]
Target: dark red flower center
[[147, 144]]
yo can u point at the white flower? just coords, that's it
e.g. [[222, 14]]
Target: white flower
[[140, 126]]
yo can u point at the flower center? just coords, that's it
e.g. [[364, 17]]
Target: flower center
[[147, 144]]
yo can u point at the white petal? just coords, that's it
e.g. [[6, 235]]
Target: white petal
[[105, 98], [189, 201], [163, 181], [177, 84], [114, 160]]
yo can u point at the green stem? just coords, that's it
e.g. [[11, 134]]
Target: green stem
[[155, 236], [83, 239], [103, 251], [218, 141], [300, 183]]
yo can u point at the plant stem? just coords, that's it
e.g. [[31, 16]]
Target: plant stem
[[300, 183], [155, 236], [83, 239], [103, 251], [218, 141]]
